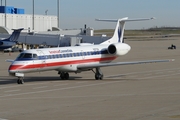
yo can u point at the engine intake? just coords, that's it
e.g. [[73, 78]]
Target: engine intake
[[118, 49], [112, 49]]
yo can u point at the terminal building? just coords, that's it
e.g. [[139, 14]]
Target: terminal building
[[42, 30], [14, 18]]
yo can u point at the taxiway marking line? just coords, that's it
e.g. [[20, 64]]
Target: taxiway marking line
[[3, 119], [11, 91], [162, 70], [59, 85], [95, 96], [24, 85], [66, 88], [159, 73], [159, 76], [40, 87], [81, 82]]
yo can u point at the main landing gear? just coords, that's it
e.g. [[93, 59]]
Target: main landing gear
[[64, 75], [20, 80], [98, 74]]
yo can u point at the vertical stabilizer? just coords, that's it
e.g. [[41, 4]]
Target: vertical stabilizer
[[15, 35], [119, 31]]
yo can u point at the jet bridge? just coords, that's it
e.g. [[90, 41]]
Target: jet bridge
[[56, 40]]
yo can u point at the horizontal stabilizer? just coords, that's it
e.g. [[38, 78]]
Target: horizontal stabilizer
[[125, 19], [119, 30]]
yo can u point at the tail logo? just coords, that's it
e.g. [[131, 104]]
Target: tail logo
[[119, 35]]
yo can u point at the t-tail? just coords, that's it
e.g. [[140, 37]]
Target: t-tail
[[119, 30], [15, 35]]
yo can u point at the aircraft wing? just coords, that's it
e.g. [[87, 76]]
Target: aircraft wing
[[85, 66]]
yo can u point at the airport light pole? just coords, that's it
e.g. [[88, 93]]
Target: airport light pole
[[58, 13], [5, 15], [33, 16], [46, 12]]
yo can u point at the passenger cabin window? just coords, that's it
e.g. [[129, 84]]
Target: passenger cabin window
[[35, 56]]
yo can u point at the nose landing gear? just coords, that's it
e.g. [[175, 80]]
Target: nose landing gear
[[20, 77], [20, 80]]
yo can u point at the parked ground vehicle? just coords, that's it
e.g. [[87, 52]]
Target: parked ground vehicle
[[13, 49], [8, 50], [172, 47]]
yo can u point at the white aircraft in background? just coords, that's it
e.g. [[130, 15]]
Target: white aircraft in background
[[11, 41], [77, 58]]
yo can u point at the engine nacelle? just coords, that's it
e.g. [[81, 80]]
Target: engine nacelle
[[118, 49]]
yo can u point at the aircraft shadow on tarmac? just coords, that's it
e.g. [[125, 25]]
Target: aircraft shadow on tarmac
[[50, 78], [5, 80]]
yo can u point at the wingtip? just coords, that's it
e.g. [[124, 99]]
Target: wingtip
[[153, 18], [171, 60]]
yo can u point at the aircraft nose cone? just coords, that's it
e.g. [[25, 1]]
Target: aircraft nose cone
[[13, 68]]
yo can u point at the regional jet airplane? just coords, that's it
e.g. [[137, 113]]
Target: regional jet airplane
[[12, 40], [77, 58]]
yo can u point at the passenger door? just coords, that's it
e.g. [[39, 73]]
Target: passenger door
[[42, 59]]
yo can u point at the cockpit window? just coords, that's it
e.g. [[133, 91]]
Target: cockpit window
[[26, 56]]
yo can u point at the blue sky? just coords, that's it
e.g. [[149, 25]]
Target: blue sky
[[76, 13]]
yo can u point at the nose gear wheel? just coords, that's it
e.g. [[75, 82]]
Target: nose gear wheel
[[20, 80]]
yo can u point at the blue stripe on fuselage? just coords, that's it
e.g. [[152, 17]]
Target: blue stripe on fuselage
[[68, 55]]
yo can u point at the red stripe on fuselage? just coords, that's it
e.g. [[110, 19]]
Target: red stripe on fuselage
[[44, 65]]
